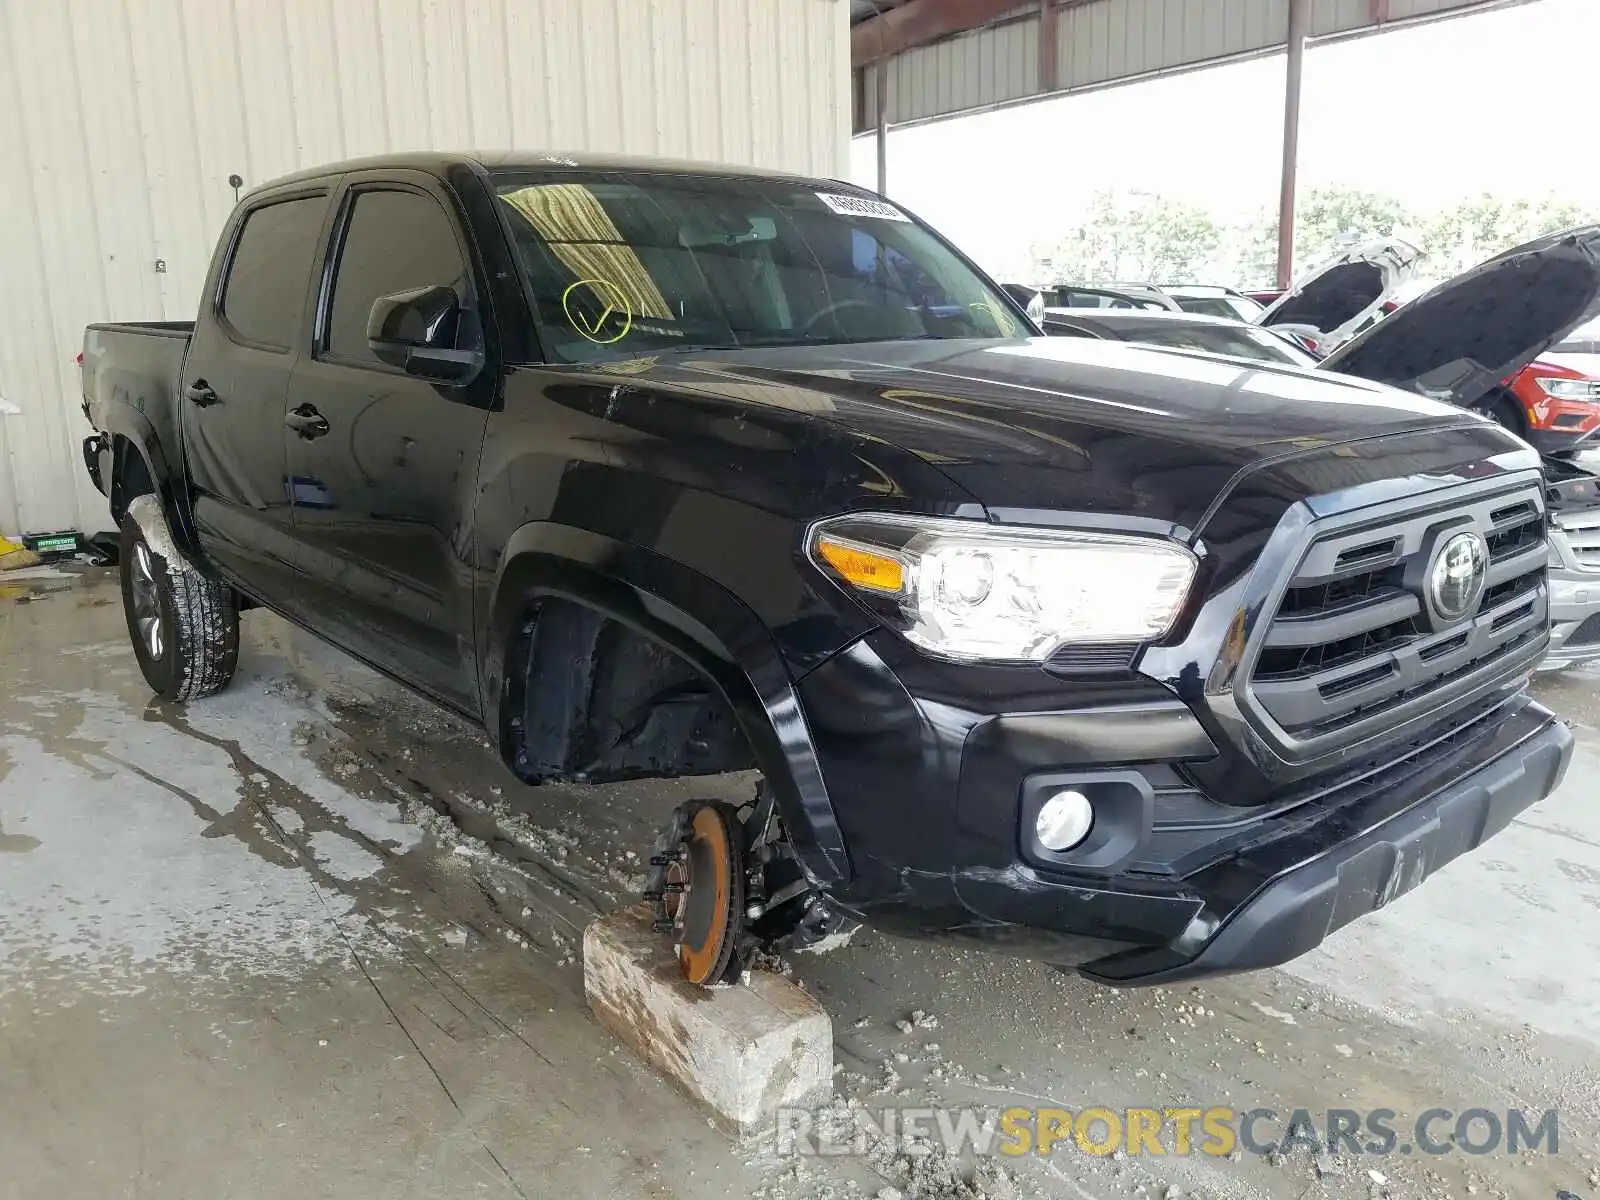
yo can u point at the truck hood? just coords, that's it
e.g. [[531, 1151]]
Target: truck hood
[[1462, 338], [1066, 424], [1341, 295]]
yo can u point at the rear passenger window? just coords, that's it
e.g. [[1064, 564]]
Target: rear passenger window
[[265, 291], [395, 242]]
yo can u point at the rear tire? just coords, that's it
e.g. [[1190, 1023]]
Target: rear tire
[[184, 626]]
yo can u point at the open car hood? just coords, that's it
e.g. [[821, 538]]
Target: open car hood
[[1339, 297], [1471, 332]]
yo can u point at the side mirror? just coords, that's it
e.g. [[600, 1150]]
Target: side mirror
[[418, 332]]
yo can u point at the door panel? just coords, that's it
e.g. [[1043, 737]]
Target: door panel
[[383, 465], [234, 380]]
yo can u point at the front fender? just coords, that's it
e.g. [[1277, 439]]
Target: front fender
[[697, 619]]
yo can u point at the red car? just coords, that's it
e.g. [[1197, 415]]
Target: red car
[[1553, 402]]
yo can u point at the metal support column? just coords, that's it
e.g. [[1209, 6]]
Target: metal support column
[[1299, 21], [1049, 56], [883, 126]]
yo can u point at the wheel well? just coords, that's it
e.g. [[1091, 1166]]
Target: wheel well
[[1505, 400], [130, 477], [591, 699]]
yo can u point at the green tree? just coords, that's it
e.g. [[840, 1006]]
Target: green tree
[[1322, 215], [1133, 236], [1177, 242], [1483, 226]]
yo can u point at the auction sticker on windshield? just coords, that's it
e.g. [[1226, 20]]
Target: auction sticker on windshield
[[861, 206]]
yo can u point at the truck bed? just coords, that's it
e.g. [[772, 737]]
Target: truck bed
[[132, 374]]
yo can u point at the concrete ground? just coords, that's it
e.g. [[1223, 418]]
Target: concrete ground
[[293, 941]]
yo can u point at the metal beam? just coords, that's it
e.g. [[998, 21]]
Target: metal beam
[[916, 23], [1048, 56], [1299, 24], [881, 71]]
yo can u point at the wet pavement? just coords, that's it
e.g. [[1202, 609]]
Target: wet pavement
[[297, 940]]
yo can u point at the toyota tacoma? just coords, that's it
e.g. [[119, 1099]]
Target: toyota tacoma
[[1149, 663]]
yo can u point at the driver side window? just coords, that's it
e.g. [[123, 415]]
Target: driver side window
[[393, 242]]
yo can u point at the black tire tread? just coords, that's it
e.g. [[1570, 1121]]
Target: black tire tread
[[202, 633], [206, 634]]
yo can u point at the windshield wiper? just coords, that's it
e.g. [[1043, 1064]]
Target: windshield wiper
[[690, 348]]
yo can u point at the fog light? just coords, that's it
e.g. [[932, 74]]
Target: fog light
[[1064, 821]]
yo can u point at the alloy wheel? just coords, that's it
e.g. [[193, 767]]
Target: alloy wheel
[[147, 602]]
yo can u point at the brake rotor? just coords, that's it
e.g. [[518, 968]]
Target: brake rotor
[[698, 884]]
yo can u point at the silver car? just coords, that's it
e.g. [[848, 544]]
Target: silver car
[[1574, 589]]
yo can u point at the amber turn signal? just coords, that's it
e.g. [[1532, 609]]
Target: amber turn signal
[[862, 567]]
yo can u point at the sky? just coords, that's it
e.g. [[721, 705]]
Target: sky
[[1498, 102]]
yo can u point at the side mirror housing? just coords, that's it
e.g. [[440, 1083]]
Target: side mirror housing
[[419, 332]]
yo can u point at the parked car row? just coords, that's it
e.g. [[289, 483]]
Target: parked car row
[[1553, 402]]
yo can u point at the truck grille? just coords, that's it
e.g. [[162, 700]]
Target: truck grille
[[1352, 641], [1582, 531]]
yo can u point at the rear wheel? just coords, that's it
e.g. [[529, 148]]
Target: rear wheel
[[184, 626]]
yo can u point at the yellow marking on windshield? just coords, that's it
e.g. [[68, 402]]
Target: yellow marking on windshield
[[582, 235], [592, 325], [1002, 319]]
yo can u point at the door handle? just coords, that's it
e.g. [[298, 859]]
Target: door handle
[[307, 421], [202, 394]]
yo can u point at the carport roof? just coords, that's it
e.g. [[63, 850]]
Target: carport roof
[[948, 57]]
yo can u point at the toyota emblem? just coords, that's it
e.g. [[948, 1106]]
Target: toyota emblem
[[1455, 581]]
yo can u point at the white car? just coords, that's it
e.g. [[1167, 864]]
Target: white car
[[1345, 294]]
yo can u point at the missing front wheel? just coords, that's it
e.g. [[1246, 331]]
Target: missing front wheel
[[725, 883]]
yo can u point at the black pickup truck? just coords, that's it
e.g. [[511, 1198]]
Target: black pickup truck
[[1145, 662]]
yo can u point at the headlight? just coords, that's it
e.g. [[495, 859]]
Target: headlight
[[967, 590], [1570, 389]]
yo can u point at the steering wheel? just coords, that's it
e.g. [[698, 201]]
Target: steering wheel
[[828, 310]]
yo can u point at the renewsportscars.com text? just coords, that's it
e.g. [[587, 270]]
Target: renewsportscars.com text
[[1178, 1131]]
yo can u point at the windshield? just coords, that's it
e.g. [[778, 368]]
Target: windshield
[[624, 264], [1066, 297], [1235, 308], [1236, 341]]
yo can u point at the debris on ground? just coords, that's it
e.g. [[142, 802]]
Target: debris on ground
[[837, 940], [14, 556], [766, 960]]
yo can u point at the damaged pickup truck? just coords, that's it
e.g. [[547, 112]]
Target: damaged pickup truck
[[1143, 662]]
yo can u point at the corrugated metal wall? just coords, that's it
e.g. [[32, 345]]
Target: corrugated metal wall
[[121, 120], [1104, 41]]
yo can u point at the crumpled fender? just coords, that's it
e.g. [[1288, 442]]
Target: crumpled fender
[[146, 513]]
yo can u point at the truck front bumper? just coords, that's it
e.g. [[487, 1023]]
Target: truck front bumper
[[936, 772], [1324, 877]]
